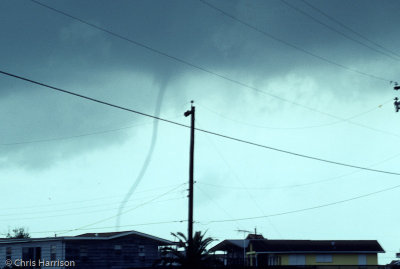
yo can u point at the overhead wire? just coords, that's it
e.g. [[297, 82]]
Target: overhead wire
[[211, 199], [208, 131], [337, 31], [37, 216], [112, 227], [69, 137], [52, 139], [303, 209], [200, 130], [86, 200], [148, 157], [349, 29], [45, 140], [223, 76], [252, 198], [31, 212], [290, 44], [123, 212], [294, 128], [290, 186]]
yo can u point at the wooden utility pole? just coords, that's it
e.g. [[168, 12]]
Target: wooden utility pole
[[191, 181]]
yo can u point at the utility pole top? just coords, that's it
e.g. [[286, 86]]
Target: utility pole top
[[191, 111]]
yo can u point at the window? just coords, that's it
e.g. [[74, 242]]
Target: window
[[117, 249], [297, 259], [8, 253], [32, 254], [362, 259], [53, 252], [28, 254], [141, 251], [324, 258], [274, 260]]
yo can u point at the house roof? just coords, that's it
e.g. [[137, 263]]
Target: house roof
[[230, 244], [100, 234], [113, 235], [395, 262], [364, 246], [303, 246], [88, 236]]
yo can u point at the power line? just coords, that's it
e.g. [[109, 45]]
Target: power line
[[296, 154], [52, 139], [211, 199], [260, 188], [45, 140], [337, 31], [78, 213], [304, 209], [290, 44], [252, 198], [200, 130], [237, 82], [69, 137], [294, 128], [349, 29], [149, 155], [108, 227], [126, 211], [76, 208], [89, 200], [90, 98]]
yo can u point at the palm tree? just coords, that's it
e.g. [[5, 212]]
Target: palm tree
[[196, 257]]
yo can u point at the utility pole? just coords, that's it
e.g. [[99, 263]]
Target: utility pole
[[191, 112]]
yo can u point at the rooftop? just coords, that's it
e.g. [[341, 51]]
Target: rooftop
[[88, 236], [302, 246]]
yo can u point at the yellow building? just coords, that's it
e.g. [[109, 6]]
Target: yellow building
[[264, 252]]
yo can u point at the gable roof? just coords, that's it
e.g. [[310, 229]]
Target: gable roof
[[230, 244], [302, 246], [114, 235], [88, 236], [99, 234]]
